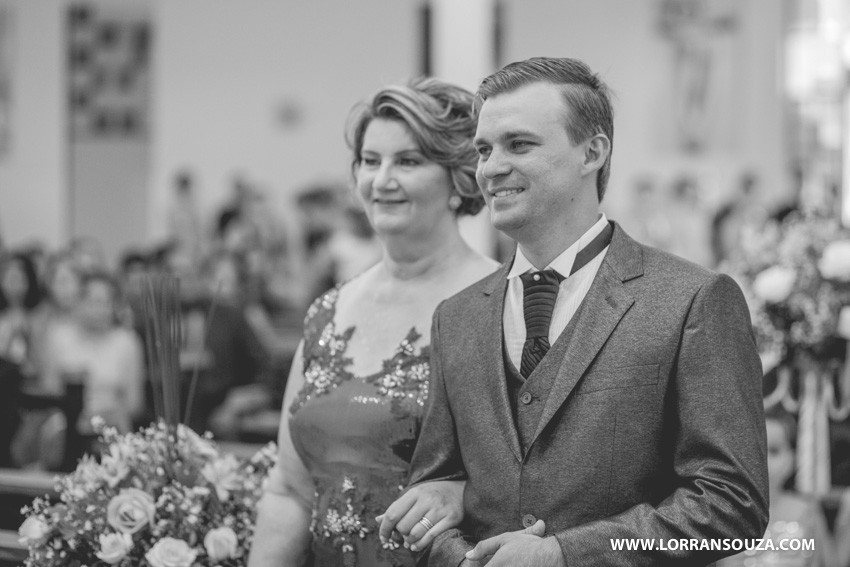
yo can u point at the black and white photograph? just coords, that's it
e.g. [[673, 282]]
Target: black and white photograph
[[369, 283]]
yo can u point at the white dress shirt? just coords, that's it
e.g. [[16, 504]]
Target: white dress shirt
[[570, 293]]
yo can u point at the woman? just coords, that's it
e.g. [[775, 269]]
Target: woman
[[104, 356], [54, 315], [19, 295], [357, 390]]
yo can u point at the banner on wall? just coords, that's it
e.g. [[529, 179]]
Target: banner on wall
[[108, 72]]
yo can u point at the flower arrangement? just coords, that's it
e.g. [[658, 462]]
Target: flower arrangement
[[159, 497], [163, 496], [797, 279]]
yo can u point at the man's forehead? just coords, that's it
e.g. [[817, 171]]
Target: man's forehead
[[536, 104]]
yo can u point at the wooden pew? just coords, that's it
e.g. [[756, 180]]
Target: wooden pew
[[12, 552]]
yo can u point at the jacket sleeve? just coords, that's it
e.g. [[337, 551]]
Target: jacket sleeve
[[719, 448], [438, 456]]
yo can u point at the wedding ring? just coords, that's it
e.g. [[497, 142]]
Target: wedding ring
[[426, 523]]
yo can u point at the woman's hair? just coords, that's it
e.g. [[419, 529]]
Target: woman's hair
[[34, 293], [439, 117]]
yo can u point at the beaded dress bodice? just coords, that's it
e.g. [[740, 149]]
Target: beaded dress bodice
[[356, 435]]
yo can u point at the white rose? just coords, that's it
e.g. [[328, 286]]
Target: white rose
[[223, 474], [170, 552], [114, 547], [221, 543], [774, 284], [130, 510], [844, 322], [835, 261], [32, 530]]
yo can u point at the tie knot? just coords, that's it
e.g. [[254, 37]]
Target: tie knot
[[539, 280]]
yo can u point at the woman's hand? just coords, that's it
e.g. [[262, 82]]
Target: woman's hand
[[423, 512]]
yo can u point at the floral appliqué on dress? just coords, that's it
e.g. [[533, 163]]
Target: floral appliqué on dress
[[343, 520], [406, 375], [325, 367]]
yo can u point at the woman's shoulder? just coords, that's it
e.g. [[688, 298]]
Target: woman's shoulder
[[477, 267]]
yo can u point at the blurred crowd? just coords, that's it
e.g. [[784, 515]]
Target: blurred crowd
[[68, 317]]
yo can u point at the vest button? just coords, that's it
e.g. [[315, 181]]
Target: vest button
[[528, 520], [526, 398]]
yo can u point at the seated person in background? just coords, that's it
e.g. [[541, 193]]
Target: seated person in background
[[219, 339], [19, 296], [792, 515], [104, 356], [56, 314]]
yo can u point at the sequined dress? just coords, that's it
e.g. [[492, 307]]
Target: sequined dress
[[356, 435]]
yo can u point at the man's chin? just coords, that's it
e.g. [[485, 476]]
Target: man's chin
[[506, 223]]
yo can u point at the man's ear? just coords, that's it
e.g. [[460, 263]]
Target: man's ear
[[597, 150]]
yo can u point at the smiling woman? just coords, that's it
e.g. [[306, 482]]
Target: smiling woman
[[356, 396]]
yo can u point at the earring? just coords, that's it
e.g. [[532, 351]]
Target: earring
[[455, 202]]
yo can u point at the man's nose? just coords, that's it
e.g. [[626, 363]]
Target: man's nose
[[496, 165]]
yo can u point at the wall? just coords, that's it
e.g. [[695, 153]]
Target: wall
[[262, 88], [33, 192], [257, 87], [620, 40]]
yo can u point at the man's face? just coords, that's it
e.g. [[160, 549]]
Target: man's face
[[528, 168]]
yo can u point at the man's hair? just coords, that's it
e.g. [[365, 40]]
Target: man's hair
[[587, 96]]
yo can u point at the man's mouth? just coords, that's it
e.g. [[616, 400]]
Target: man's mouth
[[389, 201], [506, 192]]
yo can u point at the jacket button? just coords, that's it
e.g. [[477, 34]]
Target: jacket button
[[526, 398], [528, 520]]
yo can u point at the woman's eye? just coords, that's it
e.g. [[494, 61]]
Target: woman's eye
[[370, 161], [519, 145], [408, 161]]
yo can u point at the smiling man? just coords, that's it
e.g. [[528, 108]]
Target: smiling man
[[593, 386]]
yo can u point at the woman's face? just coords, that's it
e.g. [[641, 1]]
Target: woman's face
[[225, 279], [780, 454], [97, 306], [14, 282], [400, 189], [65, 286]]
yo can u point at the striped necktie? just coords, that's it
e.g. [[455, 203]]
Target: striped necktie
[[540, 291]]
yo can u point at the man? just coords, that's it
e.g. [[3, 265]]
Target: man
[[601, 386]]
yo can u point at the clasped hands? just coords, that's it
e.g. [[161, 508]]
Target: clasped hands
[[426, 510], [523, 548]]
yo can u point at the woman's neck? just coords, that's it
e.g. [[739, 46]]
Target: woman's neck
[[408, 258]]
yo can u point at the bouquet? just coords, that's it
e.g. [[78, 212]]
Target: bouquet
[[797, 279], [161, 497]]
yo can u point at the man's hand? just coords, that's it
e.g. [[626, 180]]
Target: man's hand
[[524, 548]]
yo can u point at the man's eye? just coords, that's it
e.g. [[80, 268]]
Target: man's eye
[[483, 151], [519, 144]]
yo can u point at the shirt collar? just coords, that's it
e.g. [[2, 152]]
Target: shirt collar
[[563, 264]]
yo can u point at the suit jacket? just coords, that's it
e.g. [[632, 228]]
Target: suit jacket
[[653, 426]]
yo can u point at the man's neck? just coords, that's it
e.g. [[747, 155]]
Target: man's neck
[[542, 251]]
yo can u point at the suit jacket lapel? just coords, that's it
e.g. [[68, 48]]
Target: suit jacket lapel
[[493, 369], [604, 305]]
